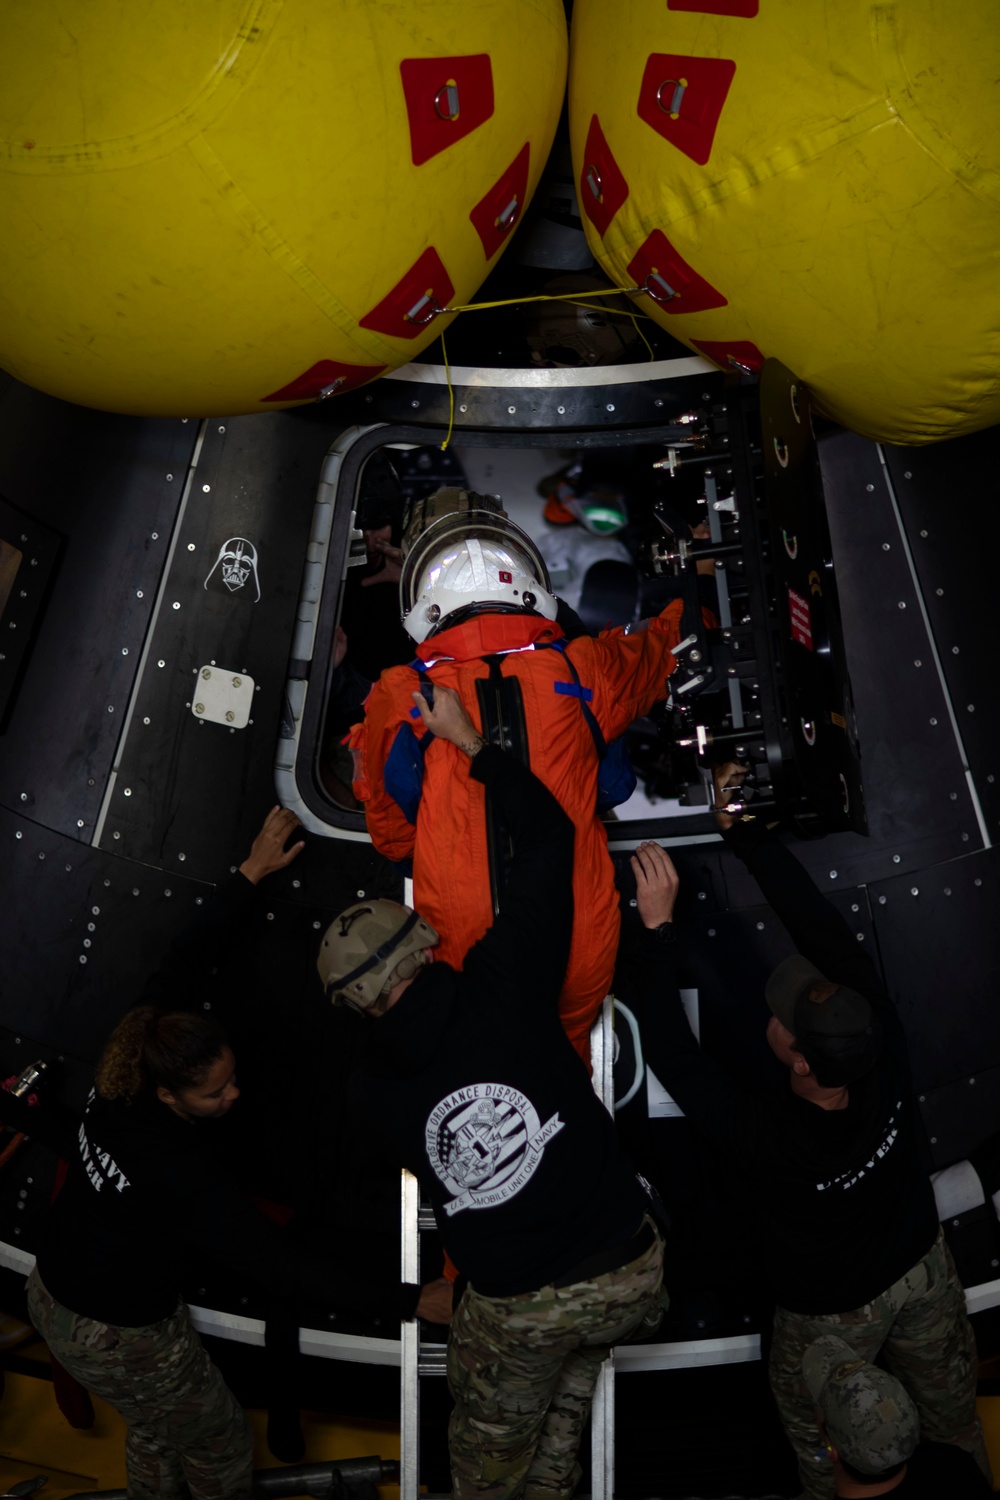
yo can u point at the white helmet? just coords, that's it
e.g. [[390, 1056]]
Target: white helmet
[[474, 562]]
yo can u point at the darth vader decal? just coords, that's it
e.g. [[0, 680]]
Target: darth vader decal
[[235, 568]]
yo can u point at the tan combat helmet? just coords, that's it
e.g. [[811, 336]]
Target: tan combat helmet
[[368, 949]]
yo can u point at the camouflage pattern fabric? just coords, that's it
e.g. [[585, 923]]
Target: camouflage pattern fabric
[[922, 1328], [449, 500], [187, 1433], [522, 1372], [871, 1420]]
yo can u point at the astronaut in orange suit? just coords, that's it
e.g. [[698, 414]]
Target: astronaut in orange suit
[[476, 599]]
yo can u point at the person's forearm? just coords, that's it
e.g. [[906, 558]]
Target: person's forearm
[[699, 1085], [471, 743], [815, 926], [813, 923]]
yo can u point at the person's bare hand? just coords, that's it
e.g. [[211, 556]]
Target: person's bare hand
[[339, 647], [268, 852], [393, 568], [434, 1304], [449, 720], [656, 884], [727, 784]]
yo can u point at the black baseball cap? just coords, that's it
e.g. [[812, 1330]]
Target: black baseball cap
[[840, 1036]]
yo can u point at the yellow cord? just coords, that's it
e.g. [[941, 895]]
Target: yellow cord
[[613, 311], [632, 314], [563, 297], [571, 297], [645, 340], [451, 396]]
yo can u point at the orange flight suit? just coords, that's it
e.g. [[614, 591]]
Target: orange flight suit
[[625, 675]]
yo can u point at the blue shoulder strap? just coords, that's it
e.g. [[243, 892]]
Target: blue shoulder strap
[[575, 689], [616, 778]]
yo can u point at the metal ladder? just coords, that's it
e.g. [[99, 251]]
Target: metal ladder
[[417, 1358]]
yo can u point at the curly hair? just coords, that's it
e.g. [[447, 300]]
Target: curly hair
[[151, 1048]]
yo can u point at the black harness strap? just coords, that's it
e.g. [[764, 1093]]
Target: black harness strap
[[501, 709]]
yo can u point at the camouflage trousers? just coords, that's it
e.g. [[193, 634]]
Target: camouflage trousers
[[186, 1432], [522, 1372], [921, 1327]]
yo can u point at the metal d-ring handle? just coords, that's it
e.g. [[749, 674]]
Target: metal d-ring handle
[[448, 92], [428, 305], [668, 292], [327, 391], [678, 87], [506, 217]]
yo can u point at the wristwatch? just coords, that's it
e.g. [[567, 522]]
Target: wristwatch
[[664, 934]]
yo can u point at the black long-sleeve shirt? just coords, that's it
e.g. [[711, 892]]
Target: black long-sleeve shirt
[[844, 1203], [146, 1187], [469, 1080]]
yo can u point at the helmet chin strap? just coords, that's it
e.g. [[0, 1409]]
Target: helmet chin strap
[[405, 969]]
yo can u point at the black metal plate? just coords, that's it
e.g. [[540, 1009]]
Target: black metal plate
[[28, 552], [102, 483], [946, 497], [940, 946], [910, 761], [821, 730], [188, 790], [84, 931], [571, 410]]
